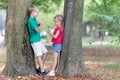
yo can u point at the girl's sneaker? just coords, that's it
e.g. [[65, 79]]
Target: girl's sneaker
[[51, 73]]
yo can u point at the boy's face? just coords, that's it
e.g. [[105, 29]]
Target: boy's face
[[35, 13]]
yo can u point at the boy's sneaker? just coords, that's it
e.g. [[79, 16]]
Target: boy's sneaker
[[51, 73], [38, 70], [42, 73]]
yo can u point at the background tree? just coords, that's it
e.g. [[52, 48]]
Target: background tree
[[71, 60], [20, 59], [104, 14]]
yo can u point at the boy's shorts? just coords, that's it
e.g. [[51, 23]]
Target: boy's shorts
[[38, 48], [57, 47]]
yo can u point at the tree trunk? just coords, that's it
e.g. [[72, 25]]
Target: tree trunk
[[84, 30], [71, 59], [101, 33], [20, 58]]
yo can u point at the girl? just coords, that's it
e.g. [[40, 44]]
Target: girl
[[57, 36]]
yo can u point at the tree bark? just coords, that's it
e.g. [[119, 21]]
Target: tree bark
[[71, 59], [20, 58]]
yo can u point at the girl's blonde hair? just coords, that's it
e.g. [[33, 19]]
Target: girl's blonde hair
[[60, 18]]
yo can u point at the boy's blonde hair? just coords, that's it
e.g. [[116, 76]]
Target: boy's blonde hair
[[60, 18], [32, 8]]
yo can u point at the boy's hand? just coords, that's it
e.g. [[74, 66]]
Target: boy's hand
[[42, 22]]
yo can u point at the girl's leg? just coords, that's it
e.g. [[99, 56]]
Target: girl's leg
[[54, 65], [55, 60]]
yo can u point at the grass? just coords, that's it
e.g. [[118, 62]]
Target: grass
[[2, 57], [106, 38], [90, 42], [112, 66], [109, 41]]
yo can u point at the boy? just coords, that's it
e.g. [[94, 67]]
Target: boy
[[34, 31]]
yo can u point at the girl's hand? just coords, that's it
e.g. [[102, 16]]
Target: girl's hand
[[50, 30], [49, 27]]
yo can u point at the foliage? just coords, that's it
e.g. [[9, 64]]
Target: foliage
[[104, 13], [47, 5], [44, 5], [48, 17], [101, 7], [3, 3]]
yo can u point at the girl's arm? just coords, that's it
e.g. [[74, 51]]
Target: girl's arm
[[51, 33], [40, 26], [56, 35]]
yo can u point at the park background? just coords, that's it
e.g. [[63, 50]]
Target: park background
[[100, 36]]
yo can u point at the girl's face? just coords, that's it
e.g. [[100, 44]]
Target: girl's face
[[57, 22]]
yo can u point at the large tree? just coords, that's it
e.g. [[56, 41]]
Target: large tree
[[20, 59], [71, 60]]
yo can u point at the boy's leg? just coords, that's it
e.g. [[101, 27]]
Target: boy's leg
[[44, 51], [44, 57], [40, 62], [38, 53]]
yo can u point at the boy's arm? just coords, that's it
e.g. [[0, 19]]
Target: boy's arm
[[40, 26]]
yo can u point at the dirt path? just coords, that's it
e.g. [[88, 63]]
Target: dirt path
[[101, 63]]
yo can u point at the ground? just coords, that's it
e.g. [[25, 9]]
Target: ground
[[102, 63]]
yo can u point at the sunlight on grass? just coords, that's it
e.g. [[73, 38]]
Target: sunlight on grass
[[107, 42], [2, 55], [112, 66], [3, 58]]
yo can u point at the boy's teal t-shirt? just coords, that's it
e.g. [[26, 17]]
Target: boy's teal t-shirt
[[34, 36]]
